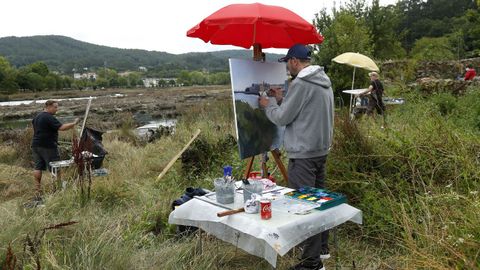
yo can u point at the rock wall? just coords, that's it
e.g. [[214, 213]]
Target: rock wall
[[430, 86], [409, 70], [431, 77]]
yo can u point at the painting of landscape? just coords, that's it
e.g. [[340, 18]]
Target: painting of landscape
[[250, 79]]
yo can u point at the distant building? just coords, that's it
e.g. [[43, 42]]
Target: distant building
[[87, 75], [167, 82], [170, 79], [150, 82], [143, 69]]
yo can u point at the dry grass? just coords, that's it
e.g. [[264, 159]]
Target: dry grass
[[416, 182]]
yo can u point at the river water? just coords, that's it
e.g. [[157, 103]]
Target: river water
[[141, 130], [42, 101]]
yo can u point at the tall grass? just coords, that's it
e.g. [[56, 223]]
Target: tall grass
[[417, 183]]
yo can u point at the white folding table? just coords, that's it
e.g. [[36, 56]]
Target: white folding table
[[353, 93], [263, 238]]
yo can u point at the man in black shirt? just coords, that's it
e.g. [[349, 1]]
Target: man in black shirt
[[45, 139]]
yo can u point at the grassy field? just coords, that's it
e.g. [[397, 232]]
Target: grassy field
[[417, 182]]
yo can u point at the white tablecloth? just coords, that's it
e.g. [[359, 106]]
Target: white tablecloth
[[263, 238]]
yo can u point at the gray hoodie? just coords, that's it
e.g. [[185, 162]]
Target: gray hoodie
[[307, 112]]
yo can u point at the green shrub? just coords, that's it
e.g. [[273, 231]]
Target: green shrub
[[446, 103]]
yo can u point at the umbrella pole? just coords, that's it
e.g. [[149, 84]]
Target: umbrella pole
[[353, 79], [350, 110], [257, 52]]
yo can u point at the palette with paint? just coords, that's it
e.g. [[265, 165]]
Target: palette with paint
[[322, 197]]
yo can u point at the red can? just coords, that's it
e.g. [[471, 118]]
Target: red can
[[265, 209]]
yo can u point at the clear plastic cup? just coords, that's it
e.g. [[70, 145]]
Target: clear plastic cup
[[224, 191]]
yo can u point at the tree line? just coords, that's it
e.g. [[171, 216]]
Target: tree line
[[417, 30], [38, 77]]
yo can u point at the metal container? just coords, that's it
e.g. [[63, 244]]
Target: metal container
[[255, 187]]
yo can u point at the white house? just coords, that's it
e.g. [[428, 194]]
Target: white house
[[150, 82], [88, 75]]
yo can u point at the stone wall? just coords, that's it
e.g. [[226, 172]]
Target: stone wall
[[431, 77], [410, 71]]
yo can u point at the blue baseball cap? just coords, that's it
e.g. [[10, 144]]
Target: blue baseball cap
[[298, 51]]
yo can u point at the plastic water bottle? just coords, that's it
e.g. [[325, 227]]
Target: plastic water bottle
[[225, 187]]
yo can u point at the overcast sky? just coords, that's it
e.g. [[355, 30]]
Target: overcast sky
[[133, 24]]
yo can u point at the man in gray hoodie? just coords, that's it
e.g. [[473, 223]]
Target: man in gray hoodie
[[307, 112]]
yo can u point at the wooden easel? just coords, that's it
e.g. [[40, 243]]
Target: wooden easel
[[258, 56], [276, 155]]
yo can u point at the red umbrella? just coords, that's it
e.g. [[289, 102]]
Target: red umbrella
[[247, 24]]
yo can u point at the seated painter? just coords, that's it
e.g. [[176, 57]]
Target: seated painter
[[470, 73]]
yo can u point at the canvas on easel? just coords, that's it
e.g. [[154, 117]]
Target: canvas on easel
[[250, 79]]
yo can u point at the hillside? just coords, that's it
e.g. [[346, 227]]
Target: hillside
[[64, 54]]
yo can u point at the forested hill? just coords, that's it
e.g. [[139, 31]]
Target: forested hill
[[64, 54]]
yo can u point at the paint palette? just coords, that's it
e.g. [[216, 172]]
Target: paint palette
[[323, 198]]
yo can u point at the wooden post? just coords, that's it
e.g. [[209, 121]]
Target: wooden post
[[85, 117], [170, 164]]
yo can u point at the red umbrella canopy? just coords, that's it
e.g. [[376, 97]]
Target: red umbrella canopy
[[246, 24]]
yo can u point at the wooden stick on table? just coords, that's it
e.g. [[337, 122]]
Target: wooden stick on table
[[230, 212]]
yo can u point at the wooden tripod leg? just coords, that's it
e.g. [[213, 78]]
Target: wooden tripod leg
[[276, 156], [264, 165], [249, 167]]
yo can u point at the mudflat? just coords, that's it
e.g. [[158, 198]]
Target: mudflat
[[109, 105]]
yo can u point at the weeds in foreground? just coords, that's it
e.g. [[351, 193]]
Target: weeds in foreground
[[416, 182]]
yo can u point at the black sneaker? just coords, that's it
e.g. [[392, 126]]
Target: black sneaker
[[306, 265]]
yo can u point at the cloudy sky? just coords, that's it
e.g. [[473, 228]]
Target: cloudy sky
[[133, 24]]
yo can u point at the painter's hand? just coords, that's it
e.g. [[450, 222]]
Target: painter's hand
[[277, 93], [263, 101]]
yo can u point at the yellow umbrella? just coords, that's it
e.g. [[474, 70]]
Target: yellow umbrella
[[356, 60]]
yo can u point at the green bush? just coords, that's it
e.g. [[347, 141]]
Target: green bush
[[446, 103]]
